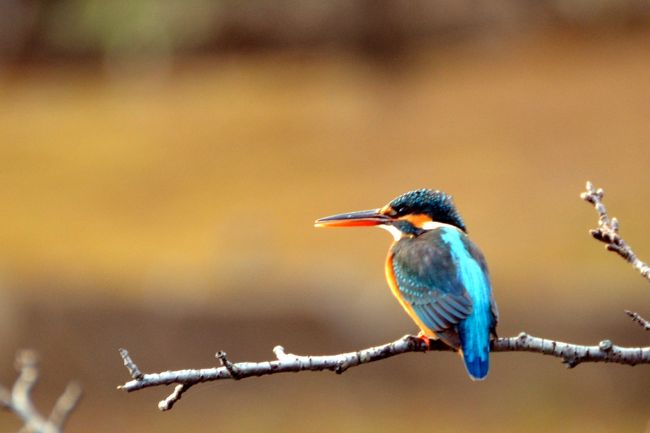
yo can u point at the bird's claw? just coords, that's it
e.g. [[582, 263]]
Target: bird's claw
[[426, 340]]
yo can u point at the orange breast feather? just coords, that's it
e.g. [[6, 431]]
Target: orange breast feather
[[392, 282]]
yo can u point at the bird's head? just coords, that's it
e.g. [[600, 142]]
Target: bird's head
[[410, 214]]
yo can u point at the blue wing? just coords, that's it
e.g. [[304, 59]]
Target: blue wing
[[443, 276]]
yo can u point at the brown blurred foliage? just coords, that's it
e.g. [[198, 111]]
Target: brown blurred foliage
[[162, 165], [45, 30]]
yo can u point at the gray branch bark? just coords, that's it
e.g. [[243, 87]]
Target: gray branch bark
[[19, 400], [571, 355], [645, 324], [608, 231]]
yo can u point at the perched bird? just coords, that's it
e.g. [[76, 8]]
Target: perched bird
[[435, 271]]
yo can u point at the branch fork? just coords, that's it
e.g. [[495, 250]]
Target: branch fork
[[19, 400], [608, 231]]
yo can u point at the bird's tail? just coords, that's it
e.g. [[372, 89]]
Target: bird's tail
[[475, 347]]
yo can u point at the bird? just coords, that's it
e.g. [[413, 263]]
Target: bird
[[438, 275]]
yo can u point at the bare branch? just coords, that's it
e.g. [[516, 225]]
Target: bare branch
[[608, 231], [172, 398], [232, 369], [645, 324], [65, 405], [134, 371], [571, 355], [19, 400]]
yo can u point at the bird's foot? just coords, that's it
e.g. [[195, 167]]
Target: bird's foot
[[422, 336]]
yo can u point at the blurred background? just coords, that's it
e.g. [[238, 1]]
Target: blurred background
[[162, 163]]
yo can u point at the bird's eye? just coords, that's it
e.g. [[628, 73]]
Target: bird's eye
[[388, 211]]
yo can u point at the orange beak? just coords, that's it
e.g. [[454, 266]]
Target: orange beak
[[364, 218]]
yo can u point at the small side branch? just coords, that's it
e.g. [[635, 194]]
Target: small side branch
[[19, 400], [645, 324], [571, 355], [172, 398], [134, 371], [608, 231]]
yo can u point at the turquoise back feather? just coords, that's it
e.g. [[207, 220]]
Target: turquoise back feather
[[474, 330]]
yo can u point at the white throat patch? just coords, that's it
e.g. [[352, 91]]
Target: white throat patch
[[397, 234], [432, 225]]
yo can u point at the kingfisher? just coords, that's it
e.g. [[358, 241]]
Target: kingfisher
[[438, 275]]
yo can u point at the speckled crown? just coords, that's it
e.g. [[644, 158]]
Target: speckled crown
[[436, 204]]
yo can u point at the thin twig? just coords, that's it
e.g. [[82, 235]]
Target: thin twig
[[608, 233], [232, 369], [608, 230], [134, 371], [19, 400], [571, 355], [65, 405], [645, 324], [172, 398]]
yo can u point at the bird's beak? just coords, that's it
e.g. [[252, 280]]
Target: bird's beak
[[364, 218]]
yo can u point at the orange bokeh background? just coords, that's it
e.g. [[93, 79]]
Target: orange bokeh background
[[163, 201]]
